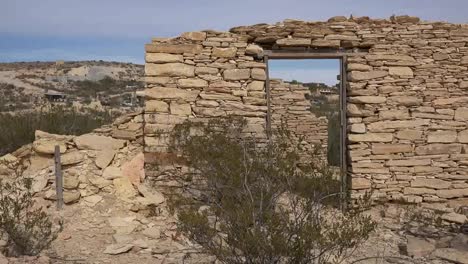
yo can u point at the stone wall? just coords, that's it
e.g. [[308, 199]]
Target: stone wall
[[406, 91], [291, 109]]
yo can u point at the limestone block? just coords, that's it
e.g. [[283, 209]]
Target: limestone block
[[446, 136], [256, 86], [157, 80], [397, 124], [156, 106], [342, 37], [358, 128], [409, 134], [72, 158], [360, 183], [171, 93], [163, 58], [367, 99], [418, 191], [368, 75], [452, 193], [236, 74], [174, 48], [464, 60], [293, 42], [44, 146], [255, 50], [180, 109], [192, 83], [434, 149], [97, 142], [370, 137], [461, 114], [430, 183], [170, 69], [463, 136], [401, 71], [207, 103], [394, 114], [224, 52], [196, 35], [206, 70], [258, 74], [388, 57], [405, 100], [391, 148], [219, 96], [409, 162], [464, 84], [359, 67], [324, 43]]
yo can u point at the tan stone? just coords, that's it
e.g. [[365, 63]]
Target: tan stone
[[174, 48], [401, 71], [409, 134], [405, 100], [367, 99], [418, 191], [255, 50], [438, 149], [360, 183], [236, 74], [463, 136], [156, 106], [324, 43], [256, 86], [206, 70], [170, 69], [388, 57], [111, 173], [394, 114], [192, 83], [452, 193], [446, 136], [464, 84], [180, 109], [96, 142], [171, 93], [224, 52], [430, 183], [163, 58], [397, 124], [135, 169], [44, 146], [72, 158], [293, 42], [71, 196], [196, 35], [461, 114], [358, 128], [369, 75], [391, 148], [359, 67], [409, 162], [371, 137], [258, 74], [104, 158], [124, 188]]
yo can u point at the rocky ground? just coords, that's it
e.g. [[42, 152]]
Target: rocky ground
[[112, 214]]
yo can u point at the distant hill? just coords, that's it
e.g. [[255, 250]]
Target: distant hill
[[23, 84]]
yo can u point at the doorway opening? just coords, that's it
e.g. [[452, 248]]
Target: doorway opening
[[306, 93]]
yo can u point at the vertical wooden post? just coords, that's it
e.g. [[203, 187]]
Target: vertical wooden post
[[58, 178], [267, 91]]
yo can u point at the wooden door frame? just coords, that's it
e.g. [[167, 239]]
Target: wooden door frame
[[342, 57]]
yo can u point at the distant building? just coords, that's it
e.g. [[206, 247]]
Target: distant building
[[54, 96]]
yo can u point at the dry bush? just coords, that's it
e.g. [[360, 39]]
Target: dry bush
[[254, 205], [29, 228]]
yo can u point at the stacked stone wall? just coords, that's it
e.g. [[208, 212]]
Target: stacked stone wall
[[406, 94], [291, 110]]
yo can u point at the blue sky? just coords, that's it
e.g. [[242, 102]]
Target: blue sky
[[116, 30]]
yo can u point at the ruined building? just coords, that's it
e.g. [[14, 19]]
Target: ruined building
[[404, 94]]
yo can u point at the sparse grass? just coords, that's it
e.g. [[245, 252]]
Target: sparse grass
[[18, 129]]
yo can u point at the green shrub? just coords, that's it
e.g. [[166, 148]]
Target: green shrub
[[254, 205], [18, 129], [29, 229]]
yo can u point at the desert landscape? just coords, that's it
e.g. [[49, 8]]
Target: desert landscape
[[130, 133]]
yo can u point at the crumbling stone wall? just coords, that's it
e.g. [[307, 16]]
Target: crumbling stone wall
[[291, 109], [408, 129]]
